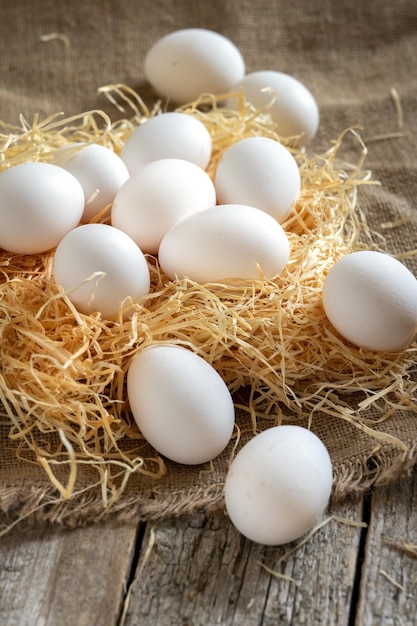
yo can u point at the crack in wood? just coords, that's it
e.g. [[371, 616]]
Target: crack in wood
[[132, 574], [360, 559]]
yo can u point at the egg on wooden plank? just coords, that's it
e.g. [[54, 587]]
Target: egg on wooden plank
[[180, 403], [224, 242], [370, 298], [100, 267], [278, 485], [187, 63], [39, 204]]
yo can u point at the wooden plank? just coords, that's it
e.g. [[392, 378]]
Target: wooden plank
[[200, 570], [388, 594], [206, 573], [53, 577]]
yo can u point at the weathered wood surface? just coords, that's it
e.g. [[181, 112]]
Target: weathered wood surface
[[52, 578], [389, 581], [207, 573], [200, 571]]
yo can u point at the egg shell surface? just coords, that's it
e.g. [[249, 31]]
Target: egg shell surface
[[171, 135], [294, 111], [100, 171], [39, 204], [180, 403], [157, 197], [223, 242], [259, 172], [187, 63], [100, 248], [278, 485], [371, 300]]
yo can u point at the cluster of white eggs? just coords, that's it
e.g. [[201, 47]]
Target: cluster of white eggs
[[160, 201], [207, 230]]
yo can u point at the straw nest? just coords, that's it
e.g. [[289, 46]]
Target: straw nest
[[63, 373]]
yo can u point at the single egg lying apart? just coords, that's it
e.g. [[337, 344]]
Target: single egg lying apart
[[259, 172], [100, 171], [371, 299], [39, 204], [294, 109], [158, 196], [99, 267], [180, 403], [170, 135], [187, 63], [278, 485], [223, 242]]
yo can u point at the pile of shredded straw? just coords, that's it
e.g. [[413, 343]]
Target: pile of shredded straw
[[63, 373]]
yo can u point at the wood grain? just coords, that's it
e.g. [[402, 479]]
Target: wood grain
[[200, 571], [206, 573], [64, 578], [389, 575]]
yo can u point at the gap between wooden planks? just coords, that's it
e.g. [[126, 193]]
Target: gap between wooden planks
[[200, 572]]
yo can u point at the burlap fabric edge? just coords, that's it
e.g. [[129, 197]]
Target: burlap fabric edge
[[37, 503]]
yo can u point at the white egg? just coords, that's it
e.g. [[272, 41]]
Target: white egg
[[99, 267], [100, 171], [278, 485], [371, 299], [171, 135], [223, 242], [259, 172], [180, 403], [157, 197], [294, 111], [187, 63], [39, 204]]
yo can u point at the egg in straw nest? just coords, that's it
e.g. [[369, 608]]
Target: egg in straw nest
[[63, 372]]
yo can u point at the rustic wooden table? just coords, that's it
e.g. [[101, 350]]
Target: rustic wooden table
[[201, 571]]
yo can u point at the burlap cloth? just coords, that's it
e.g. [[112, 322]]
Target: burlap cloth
[[353, 56]]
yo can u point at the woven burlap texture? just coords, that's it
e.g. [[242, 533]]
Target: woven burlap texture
[[354, 57]]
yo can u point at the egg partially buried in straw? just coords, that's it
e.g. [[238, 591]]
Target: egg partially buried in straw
[[290, 103], [259, 172], [157, 197], [278, 485], [172, 135], [39, 204], [100, 171], [224, 242], [100, 267], [180, 403], [371, 300]]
